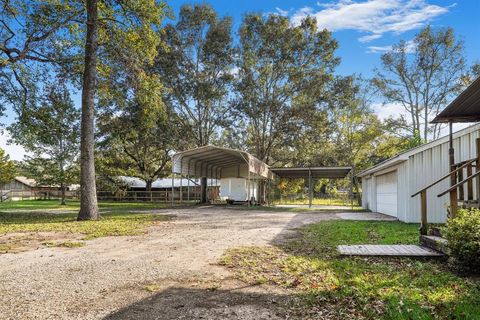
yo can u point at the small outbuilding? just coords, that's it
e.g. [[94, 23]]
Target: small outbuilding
[[425, 183], [388, 187]]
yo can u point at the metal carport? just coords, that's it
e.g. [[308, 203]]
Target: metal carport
[[215, 163], [311, 173]]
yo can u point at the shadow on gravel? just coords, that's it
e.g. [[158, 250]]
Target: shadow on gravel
[[188, 303]]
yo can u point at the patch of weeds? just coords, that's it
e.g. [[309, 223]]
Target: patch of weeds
[[5, 248], [65, 244], [49, 243], [213, 287], [152, 288], [334, 287], [115, 223]]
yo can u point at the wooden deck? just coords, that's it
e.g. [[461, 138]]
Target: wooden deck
[[388, 250]]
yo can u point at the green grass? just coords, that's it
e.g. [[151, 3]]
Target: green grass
[[318, 201], [117, 219], [358, 288]]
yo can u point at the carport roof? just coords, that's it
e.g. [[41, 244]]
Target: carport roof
[[316, 172], [205, 161], [465, 108]]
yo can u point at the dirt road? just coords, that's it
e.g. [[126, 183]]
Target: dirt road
[[169, 273]]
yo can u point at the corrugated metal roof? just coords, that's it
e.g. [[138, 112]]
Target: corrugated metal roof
[[208, 160], [316, 172], [465, 108], [26, 181], [403, 156]]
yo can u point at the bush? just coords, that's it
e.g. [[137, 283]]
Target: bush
[[463, 235]]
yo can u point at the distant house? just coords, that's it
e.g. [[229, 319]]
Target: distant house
[[25, 188], [24, 184]]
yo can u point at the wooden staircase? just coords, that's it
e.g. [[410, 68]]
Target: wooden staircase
[[463, 177], [458, 197]]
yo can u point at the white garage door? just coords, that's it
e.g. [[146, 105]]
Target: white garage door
[[387, 193]]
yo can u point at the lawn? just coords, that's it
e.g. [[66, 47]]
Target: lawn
[[33, 216], [358, 288], [318, 201]]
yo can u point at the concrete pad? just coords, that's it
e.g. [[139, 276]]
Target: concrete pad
[[365, 216], [315, 206]]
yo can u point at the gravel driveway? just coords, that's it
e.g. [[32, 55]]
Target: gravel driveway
[[169, 273]]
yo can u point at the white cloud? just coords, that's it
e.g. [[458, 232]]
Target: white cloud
[[373, 17], [385, 111], [15, 151], [281, 11], [369, 37], [409, 48]]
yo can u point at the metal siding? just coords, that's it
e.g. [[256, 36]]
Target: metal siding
[[366, 192], [403, 190], [429, 165]]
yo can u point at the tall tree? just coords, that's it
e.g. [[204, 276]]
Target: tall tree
[[356, 126], [88, 188], [130, 26], [421, 77], [138, 134], [196, 65], [51, 135], [283, 73], [46, 31]]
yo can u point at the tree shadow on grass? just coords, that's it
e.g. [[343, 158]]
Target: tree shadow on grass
[[193, 303]]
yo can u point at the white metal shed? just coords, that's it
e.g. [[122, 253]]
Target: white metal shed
[[388, 186]]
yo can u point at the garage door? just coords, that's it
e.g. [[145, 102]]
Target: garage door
[[387, 193]]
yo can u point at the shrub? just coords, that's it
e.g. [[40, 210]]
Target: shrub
[[463, 235]]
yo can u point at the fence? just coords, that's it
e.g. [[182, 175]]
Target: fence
[[15, 195], [339, 199], [190, 194]]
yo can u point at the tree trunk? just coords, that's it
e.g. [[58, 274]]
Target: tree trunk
[[148, 185], [62, 186], [203, 188], [88, 192]]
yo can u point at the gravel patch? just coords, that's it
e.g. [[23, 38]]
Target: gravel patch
[[136, 277]]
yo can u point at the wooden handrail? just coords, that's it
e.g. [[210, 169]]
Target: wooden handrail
[[467, 162], [459, 184]]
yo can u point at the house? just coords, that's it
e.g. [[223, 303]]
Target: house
[[25, 188]]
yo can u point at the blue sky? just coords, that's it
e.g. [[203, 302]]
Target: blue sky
[[363, 28]]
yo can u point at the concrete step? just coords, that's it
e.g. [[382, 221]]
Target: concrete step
[[435, 243]]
